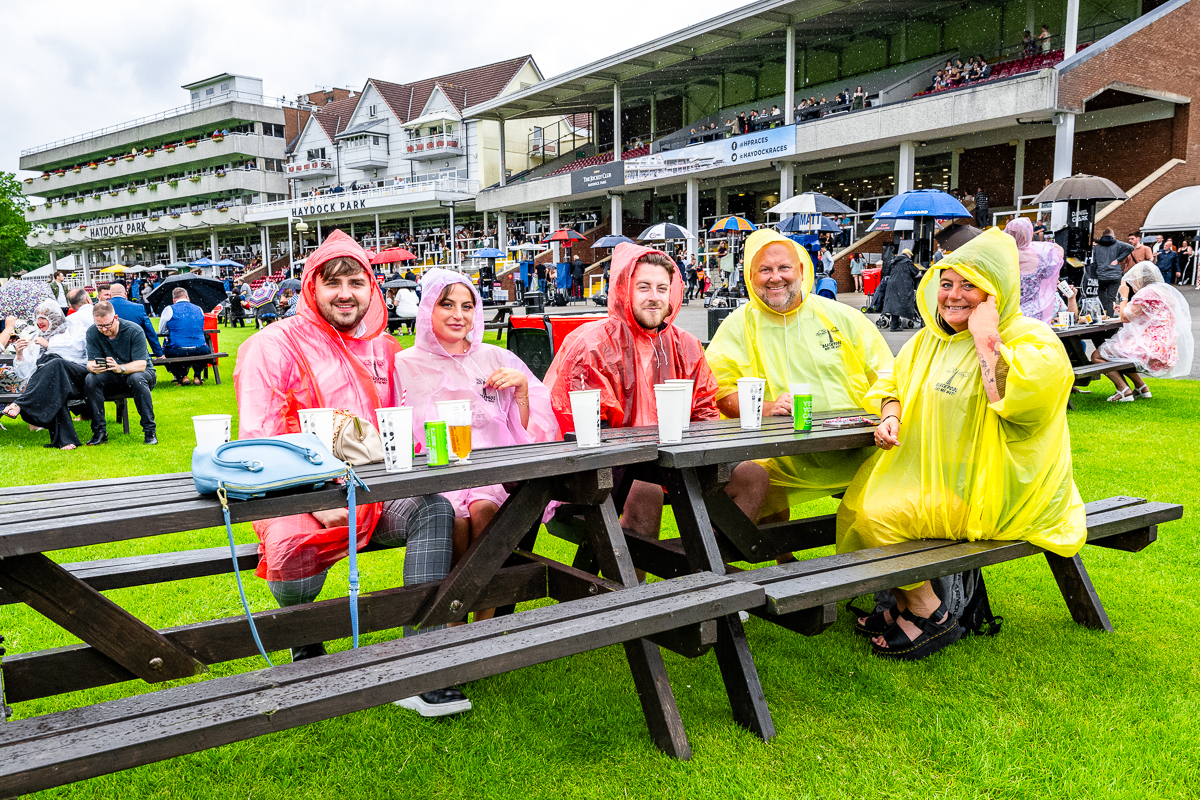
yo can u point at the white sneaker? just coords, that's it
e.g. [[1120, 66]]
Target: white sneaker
[[744, 616], [438, 703]]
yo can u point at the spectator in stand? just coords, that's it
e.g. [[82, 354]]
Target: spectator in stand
[[985, 69], [136, 313], [1044, 39], [118, 361], [1028, 46], [859, 100], [1140, 253], [1039, 231], [981, 208], [184, 329]]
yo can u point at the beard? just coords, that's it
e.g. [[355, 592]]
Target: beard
[[651, 318], [781, 306], [344, 320]]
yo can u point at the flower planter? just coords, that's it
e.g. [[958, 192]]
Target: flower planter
[[218, 138], [83, 227], [129, 158], [176, 216], [113, 194], [220, 174], [149, 154], [78, 199], [223, 208], [93, 166], [189, 144], [29, 180], [440, 143], [454, 144], [76, 170], [197, 213], [170, 149], [173, 184], [155, 219], [410, 148], [420, 147], [133, 190], [194, 179], [152, 187]]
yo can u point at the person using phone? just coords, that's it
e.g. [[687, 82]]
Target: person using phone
[[118, 358]]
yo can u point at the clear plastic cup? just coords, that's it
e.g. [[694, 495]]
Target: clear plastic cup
[[669, 401], [687, 411], [457, 416], [395, 428], [212, 429], [318, 421], [585, 408], [750, 401]]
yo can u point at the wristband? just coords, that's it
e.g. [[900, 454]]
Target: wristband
[[889, 416]]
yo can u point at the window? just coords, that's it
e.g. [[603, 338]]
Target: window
[[195, 95], [316, 154], [207, 92], [374, 140], [371, 110], [224, 87]]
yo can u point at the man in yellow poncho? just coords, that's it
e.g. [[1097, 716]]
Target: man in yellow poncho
[[973, 437], [786, 334]]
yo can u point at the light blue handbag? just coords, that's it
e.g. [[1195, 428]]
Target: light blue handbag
[[249, 468]]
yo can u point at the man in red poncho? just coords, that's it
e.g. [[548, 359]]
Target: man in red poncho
[[625, 355], [335, 353]]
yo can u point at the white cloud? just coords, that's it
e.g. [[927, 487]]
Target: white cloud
[[75, 67]]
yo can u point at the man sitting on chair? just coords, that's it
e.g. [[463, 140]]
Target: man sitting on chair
[[118, 360], [182, 323]]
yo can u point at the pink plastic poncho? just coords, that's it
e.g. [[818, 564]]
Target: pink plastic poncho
[[429, 374], [1157, 335], [1040, 263], [304, 362], [624, 360]]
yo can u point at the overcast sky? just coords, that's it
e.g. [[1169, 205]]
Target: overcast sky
[[74, 67]]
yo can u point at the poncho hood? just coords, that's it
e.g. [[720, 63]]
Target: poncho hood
[[339, 245], [433, 283], [756, 243], [620, 292], [990, 261]]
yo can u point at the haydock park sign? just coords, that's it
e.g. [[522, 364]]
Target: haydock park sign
[[117, 229], [750, 147]]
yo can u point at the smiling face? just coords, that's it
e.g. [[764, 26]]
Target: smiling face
[[957, 298], [43, 324], [651, 295], [342, 296], [453, 317], [777, 278]]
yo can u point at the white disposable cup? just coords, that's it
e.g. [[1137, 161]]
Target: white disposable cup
[[455, 412], [318, 421], [1063, 317], [212, 428], [750, 402], [689, 385], [799, 388], [396, 431], [585, 408], [669, 401]]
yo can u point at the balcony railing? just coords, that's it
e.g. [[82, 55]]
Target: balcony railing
[[318, 166], [434, 146], [388, 188]]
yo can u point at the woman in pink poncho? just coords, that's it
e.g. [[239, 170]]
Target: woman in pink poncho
[[1157, 334], [1040, 265], [449, 362]]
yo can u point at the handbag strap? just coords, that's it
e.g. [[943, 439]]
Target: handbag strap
[[237, 574], [255, 466]]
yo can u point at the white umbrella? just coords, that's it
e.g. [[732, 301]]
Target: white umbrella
[[664, 231], [810, 203]]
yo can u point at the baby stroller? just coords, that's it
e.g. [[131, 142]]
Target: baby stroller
[[826, 287]]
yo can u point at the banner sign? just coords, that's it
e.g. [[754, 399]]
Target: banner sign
[[750, 147], [116, 229], [605, 176]]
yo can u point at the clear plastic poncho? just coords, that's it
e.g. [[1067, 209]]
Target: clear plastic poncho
[[427, 374], [1040, 264], [624, 360], [1158, 334], [966, 468], [304, 362], [829, 345]]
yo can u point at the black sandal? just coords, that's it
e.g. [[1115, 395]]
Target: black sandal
[[934, 636], [876, 624]]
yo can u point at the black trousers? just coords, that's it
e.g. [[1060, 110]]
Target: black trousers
[[180, 371], [44, 401], [138, 384], [1108, 295]]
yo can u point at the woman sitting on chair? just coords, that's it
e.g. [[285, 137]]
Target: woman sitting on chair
[[52, 367]]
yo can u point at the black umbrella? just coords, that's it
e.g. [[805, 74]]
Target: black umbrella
[[399, 283], [1080, 187], [612, 240], [208, 293], [290, 283]]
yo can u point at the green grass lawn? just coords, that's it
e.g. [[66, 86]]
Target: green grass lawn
[[1046, 709]]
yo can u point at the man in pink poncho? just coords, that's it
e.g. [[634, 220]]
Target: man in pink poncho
[[1040, 264], [335, 353], [509, 405]]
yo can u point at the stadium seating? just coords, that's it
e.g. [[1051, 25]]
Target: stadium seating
[[1014, 66], [597, 160]]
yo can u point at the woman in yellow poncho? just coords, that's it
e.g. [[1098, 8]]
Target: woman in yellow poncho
[[973, 435]]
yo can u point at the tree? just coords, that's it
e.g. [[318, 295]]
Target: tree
[[15, 255]]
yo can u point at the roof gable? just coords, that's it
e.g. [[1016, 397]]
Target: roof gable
[[335, 117], [461, 89]]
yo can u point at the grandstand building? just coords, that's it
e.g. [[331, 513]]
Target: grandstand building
[[1108, 93]]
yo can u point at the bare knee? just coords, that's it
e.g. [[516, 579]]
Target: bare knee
[[643, 509], [748, 487]]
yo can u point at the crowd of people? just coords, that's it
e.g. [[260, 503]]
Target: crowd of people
[[956, 73]]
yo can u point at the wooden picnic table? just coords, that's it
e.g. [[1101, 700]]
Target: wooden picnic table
[[499, 320], [1085, 369]]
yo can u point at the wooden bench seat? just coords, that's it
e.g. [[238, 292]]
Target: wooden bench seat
[[210, 358], [59, 748]]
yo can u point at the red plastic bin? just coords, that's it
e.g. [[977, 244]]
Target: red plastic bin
[[871, 279]]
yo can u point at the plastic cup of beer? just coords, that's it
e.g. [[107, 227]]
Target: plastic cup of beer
[[668, 401], [750, 401], [212, 429], [457, 416], [395, 429], [585, 408], [318, 421], [689, 385]]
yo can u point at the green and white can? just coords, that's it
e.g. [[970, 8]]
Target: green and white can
[[437, 443], [801, 406]]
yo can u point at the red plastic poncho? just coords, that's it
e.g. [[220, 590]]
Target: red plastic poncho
[[304, 362], [624, 360], [429, 374]]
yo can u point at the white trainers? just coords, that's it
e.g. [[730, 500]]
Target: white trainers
[[438, 703]]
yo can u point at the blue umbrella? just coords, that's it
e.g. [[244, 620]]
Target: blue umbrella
[[922, 203], [202, 262], [227, 262], [798, 222], [487, 252]]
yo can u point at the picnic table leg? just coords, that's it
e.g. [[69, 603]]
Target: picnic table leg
[[645, 659], [742, 684], [1078, 591]]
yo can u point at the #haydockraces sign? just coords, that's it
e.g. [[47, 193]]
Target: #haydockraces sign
[[759, 146]]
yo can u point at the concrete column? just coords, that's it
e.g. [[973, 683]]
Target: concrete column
[[265, 243], [503, 156], [906, 167], [87, 265], [453, 238], [721, 91], [53, 262], [376, 231], [617, 210], [553, 228], [212, 241], [902, 43], [722, 200], [117, 254], [787, 180], [352, 231], [319, 234], [1071, 34], [173, 249], [1064, 144], [291, 241], [789, 82], [502, 230], [1019, 174], [485, 222], [617, 122], [412, 229], [654, 115], [1031, 17], [693, 214]]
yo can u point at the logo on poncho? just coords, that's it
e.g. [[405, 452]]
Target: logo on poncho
[[830, 342], [947, 386]]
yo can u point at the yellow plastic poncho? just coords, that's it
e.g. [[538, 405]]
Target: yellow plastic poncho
[[966, 468], [829, 345]]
